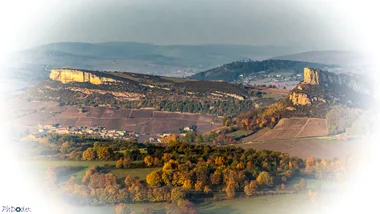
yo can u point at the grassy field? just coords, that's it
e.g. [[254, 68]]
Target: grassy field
[[140, 173], [274, 96], [286, 204], [306, 147], [238, 134], [43, 165]]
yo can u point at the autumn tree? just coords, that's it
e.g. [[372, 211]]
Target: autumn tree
[[219, 161], [264, 179], [207, 189], [127, 161], [73, 155], [65, 147], [187, 184], [129, 181], [104, 153], [310, 161], [148, 160], [215, 178], [170, 139], [153, 179], [156, 162], [199, 185], [250, 188], [230, 190], [177, 194], [119, 164], [89, 154]]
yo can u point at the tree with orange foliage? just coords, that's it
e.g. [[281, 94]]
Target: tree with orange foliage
[[148, 160], [310, 162], [170, 139], [73, 155], [230, 190], [215, 177], [65, 147], [264, 179], [177, 194], [250, 188], [153, 179], [199, 185], [127, 162], [245, 123], [240, 166], [129, 181], [104, 153], [187, 184], [166, 157], [89, 154], [207, 189], [156, 161], [249, 163], [119, 164], [219, 161]]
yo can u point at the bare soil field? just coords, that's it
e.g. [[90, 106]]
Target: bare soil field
[[148, 121], [289, 128], [306, 147]]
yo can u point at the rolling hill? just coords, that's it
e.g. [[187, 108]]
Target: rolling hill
[[350, 61], [167, 60], [256, 69], [133, 90]]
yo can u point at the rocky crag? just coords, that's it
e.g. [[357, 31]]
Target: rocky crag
[[71, 75], [323, 86]]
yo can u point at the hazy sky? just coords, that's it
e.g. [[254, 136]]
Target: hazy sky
[[307, 24]]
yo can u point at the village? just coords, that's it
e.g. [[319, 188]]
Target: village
[[251, 79], [102, 132]]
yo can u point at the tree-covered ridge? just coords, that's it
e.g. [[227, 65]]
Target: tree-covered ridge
[[131, 90], [230, 72]]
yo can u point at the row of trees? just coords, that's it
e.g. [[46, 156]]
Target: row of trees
[[200, 171]]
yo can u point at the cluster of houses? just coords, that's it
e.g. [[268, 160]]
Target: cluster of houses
[[93, 131], [105, 133], [274, 77]]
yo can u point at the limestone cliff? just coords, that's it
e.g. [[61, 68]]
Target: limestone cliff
[[71, 75], [319, 85], [328, 79], [299, 98]]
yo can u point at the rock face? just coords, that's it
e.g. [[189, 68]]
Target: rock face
[[311, 76], [318, 84], [319, 77], [71, 75], [299, 98], [324, 78]]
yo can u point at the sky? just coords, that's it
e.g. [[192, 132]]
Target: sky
[[306, 24]]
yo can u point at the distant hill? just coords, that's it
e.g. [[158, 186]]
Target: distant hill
[[167, 60], [335, 57], [232, 71]]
